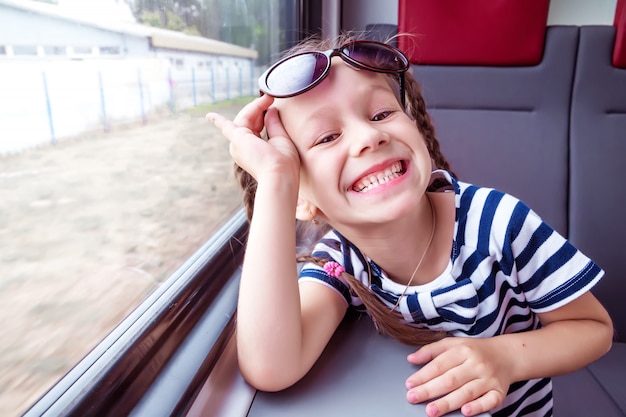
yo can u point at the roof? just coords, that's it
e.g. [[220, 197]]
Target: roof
[[159, 38]]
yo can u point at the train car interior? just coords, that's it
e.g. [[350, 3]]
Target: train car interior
[[532, 108]]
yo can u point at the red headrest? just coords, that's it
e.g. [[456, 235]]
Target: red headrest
[[468, 32], [619, 50]]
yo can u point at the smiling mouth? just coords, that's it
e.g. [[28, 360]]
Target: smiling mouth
[[375, 179]]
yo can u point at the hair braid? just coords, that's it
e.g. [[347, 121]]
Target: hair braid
[[416, 106], [386, 321], [248, 185]]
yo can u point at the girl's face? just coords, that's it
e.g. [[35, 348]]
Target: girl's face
[[363, 160]]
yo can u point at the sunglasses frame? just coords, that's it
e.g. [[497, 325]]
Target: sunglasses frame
[[329, 54]]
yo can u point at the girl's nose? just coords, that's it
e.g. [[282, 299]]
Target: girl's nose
[[367, 138]]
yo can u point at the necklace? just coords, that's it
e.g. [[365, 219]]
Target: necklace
[[430, 240]]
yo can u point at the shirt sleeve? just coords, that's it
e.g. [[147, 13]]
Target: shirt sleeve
[[550, 270], [328, 248]]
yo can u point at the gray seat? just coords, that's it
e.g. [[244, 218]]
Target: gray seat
[[507, 127], [597, 194], [598, 156]]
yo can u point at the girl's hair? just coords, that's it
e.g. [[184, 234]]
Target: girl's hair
[[386, 321]]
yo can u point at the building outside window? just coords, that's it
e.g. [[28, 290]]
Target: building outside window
[[25, 50]]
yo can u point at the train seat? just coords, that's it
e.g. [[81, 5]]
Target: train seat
[[497, 125], [597, 151], [459, 33], [619, 50], [550, 131]]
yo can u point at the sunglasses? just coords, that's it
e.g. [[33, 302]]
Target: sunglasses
[[301, 72]]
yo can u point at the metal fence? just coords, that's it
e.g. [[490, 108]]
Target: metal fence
[[45, 102]]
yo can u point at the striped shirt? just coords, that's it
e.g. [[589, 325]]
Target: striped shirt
[[506, 266]]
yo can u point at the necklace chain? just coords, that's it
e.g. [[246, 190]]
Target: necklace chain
[[430, 240]]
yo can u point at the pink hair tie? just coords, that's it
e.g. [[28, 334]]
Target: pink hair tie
[[333, 269]]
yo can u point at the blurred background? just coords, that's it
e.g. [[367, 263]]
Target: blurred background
[[109, 175]]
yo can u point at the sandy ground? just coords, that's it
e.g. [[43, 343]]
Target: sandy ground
[[89, 227]]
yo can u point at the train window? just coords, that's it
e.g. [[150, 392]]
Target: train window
[[25, 50], [54, 50], [109, 50], [109, 175]]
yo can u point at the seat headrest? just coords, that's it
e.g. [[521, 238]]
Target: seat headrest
[[619, 50], [464, 32]]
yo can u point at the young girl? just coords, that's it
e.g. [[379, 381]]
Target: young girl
[[498, 300]]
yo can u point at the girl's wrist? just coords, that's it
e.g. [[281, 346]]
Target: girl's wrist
[[279, 179], [280, 188]]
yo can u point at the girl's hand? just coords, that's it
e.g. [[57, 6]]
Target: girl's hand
[[276, 156], [467, 373]]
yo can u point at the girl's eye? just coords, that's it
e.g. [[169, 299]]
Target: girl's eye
[[381, 116], [327, 139]]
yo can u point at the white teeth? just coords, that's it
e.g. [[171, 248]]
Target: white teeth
[[379, 178]]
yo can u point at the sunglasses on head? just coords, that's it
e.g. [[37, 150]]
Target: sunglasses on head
[[301, 72]]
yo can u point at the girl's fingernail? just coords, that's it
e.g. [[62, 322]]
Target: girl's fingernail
[[409, 385], [210, 117], [433, 410]]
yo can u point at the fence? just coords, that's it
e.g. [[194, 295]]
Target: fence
[[46, 101]]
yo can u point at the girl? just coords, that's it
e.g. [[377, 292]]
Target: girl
[[498, 300]]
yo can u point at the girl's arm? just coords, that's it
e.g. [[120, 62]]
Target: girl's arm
[[281, 328], [474, 374]]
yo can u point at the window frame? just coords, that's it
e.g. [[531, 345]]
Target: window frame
[[121, 375]]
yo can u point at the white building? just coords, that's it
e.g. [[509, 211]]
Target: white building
[[63, 72]]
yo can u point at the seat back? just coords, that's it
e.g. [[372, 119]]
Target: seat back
[[500, 123], [597, 156], [458, 32]]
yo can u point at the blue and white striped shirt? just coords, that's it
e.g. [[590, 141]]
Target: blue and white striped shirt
[[506, 266]]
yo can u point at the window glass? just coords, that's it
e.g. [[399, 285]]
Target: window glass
[[109, 175], [82, 50], [109, 50], [24, 50], [54, 50]]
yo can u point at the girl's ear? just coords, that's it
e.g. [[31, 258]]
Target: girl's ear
[[305, 210]]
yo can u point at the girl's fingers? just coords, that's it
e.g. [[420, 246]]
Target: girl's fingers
[[229, 129], [273, 124], [483, 404], [435, 383], [248, 150], [432, 350], [470, 399], [251, 115], [216, 118], [437, 362]]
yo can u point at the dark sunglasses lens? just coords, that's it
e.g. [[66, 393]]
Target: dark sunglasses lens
[[376, 56], [296, 74]]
